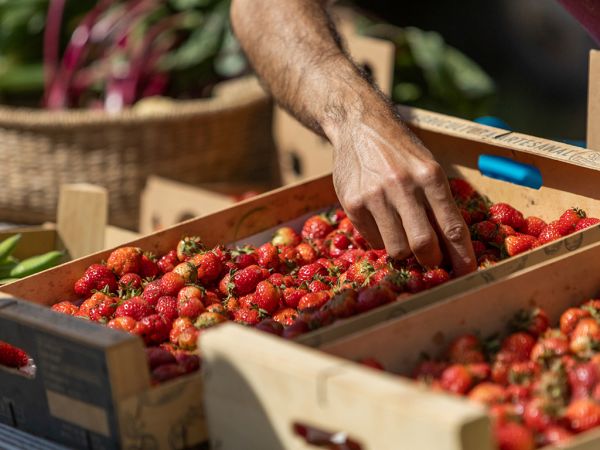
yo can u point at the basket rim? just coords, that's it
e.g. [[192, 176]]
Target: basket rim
[[228, 95]]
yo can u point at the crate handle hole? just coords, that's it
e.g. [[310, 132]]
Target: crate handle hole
[[15, 360], [186, 215], [296, 163], [325, 439]]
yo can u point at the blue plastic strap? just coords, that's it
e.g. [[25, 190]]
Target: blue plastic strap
[[506, 169]]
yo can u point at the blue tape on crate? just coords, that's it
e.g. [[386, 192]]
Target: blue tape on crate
[[506, 169], [493, 121]]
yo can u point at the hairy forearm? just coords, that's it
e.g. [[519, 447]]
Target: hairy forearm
[[295, 49]]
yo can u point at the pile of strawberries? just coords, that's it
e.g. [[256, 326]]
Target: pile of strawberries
[[295, 283], [541, 384]]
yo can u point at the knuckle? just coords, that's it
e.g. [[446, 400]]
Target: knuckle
[[431, 173], [354, 207], [455, 232], [422, 243], [374, 194], [399, 251], [399, 178]]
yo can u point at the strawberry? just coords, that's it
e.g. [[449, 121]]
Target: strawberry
[[337, 243], [488, 393], [555, 434], [461, 190], [534, 322], [346, 226], [583, 414], [549, 347], [428, 370], [105, 309], [270, 326], [518, 243], [533, 226], [316, 227], [295, 329], [188, 338], [485, 231], [167, 372], [570, 318], [568, 220], [65, 307], [285, 236], [317, 286], [190, 362], [539, 414], [513, 436], [188, 247], [190, 307], [336, 215], [96, 278], [316, 318], [435, 277], [310, 271], [171, 283], [285, 316], [130, 281], [358, 239], [306, 254], [158, 356], [479, 247], [292, 296], [283, 281], [372, 363], [505, 214], [218, 308], [520, 344], [585, 338], [153, 329], [266, 297], [360, 271], [168, 262], [465, 349], [475, 209], [313, 301], [550, 233], [190, 291], [209, 319], [583, 378], [209, 267], [586, 222], [267, 256], [244, 257], [152, 292], [372, 297], [148, 267], [456, 379], [245, 281], [123, 323], [11, 356], [187, 271], [135, 307], [247, 316], [167, 307], [125, 260]]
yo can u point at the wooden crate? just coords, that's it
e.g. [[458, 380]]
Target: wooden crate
[[255, 394], [456, 143]]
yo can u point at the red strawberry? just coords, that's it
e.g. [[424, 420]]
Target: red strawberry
[[306, 254], [518, 243], [157, 356], [586, 222], [488, 393], [105, 309], [65, 307], [317, 286], [485, 231], [187, 271], [568, 220], [534, 322], [171, 283], [244, 281], [270, 326], [505, 214], [247, 316], [153, 329], [550, 233], [359, 240], [316, 227], [461, 190], [267, 256], [148, 267], [555, 434], [188, 338], [296, 329], [285, 316], [209, 319], [167, 307], [190, 307], [124, 323], [152, 292], [435, 277], [478, 247], [428, 370], [310, 271], [267, 297], [520, 344], [539, 414], [96, 278], [135, 307], [570, 318], [11, 356], [190, 362], [167, 372], [583, 414], [286, 236], [585, 338], [337, 243], [513, 436], [130, 281], [549, 347], [343, 304], [533, 226], [209, 267], [360, 271], [465, 349], [292, 296], [168, 262], [372, 297], [313, 301], [190, 291], [583, 378], [188, 247], [372, 363], [125, 260], [456, 379]]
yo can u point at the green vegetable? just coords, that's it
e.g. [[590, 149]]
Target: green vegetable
[[6, 268], [36, 264], [8, 245]]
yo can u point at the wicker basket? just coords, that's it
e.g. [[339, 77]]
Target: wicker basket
[[226, 137]]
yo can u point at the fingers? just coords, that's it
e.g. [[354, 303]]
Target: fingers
[[390, 227], [363, 221], [452, 228]]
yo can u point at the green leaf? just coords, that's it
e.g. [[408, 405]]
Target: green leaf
[[21, 78], [468, 77]]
